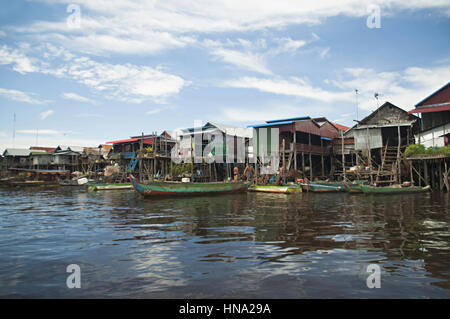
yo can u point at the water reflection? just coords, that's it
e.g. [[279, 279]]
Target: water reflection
[[243, 245]]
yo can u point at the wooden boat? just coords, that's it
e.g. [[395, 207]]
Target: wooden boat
[[275, 189], [29, 183], [186, 189], [355, 186], [340, 186], [393, 189], [109, 187], [322, 187]]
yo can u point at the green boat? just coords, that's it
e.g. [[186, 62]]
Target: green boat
[[155, 189], [355, 186], [393, 189], [109, 187], [289, 189], [323, 187]]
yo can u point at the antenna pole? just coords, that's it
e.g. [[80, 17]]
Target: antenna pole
[[14, 130]]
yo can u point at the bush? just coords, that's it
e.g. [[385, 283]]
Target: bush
[[420, 149], [180, 169], [415, 149]]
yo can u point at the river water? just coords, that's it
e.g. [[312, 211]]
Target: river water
[[245, 245]]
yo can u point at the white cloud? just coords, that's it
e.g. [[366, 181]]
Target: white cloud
[[77, 97], [287, 45], [403, 88], [325, 52], [46, 114], [152, 26], [125, 82], [20, 62], [245, 60], [251, 55], [270, 111], [292, 87], [19, 96], [44, 132]]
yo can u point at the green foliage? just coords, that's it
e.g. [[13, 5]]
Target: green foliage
[[146, 150], [414, 149], [420, 149], [180, 169]]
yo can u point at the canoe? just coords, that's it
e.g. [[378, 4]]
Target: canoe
[[275, 189], [355, 186], [154, 189], [393, 190], [109, 187], [322, 187], [340, 186]]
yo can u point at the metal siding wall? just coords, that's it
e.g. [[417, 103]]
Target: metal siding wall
[[363, 141]]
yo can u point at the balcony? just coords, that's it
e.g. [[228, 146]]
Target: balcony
[[315, 149]]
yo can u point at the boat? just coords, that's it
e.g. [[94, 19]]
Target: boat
[[275, 189], [355, 186], [322, 187], [393, 189], [109, 187], [74, 182], [340, 186], [186, 189]]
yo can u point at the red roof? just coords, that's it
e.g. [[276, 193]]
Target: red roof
[[146, 141], [341, 127], [439, 108], [439, 97]]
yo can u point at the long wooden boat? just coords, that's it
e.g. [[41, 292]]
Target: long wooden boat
[[154, 189], [355, 186], [322, 187], [393, 190], [275, 189], [110, 187], [339, 186]]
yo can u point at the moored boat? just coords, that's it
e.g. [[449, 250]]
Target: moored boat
[[275, 189], [393, 189], [185, 189], [355, 186], [323, 187], [109, 187]]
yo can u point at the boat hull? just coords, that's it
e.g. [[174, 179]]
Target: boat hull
[[323, 187], [110, 187], [393, 190], [274, 189], [158, 189]]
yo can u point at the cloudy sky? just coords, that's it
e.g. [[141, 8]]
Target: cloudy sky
[[90, 71]]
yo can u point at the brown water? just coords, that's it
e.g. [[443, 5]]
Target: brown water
[[233, 246]]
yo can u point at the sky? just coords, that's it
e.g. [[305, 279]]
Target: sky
[[90, 71]]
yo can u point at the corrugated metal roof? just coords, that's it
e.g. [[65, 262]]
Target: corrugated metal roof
[[20, 152], [271, 124], [431, 108], [290, 119]]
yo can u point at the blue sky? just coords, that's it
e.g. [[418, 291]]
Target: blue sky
[[126, 67]]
